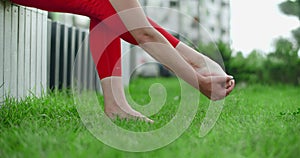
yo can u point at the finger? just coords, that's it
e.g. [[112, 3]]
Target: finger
[[146, 119], [229, 90], [215, 79], [149, 121], [219, 79], [229, 82], [229, 77]]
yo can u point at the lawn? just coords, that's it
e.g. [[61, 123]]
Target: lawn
[[257, 121]]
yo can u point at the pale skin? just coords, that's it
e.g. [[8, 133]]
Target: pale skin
[[194, 68]]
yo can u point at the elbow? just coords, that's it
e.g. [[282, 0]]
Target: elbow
[[145, 35]]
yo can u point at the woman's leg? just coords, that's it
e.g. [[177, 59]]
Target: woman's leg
[[109, 71], [109, 65]]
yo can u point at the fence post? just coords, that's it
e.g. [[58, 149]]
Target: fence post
[[13, 53], [39, 54], [55, 55], [7, 48], [85, 60], [27, 37], [72, 46], [21, 54], [44, 52], [79, 58], [33, 53], [1, 51], [64, 30], [49, 49]]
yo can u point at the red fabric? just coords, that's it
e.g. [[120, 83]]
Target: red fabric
[[104, 39], [109, 63]]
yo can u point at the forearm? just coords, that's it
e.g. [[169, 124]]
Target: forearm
[[168, 56], [199, 61]]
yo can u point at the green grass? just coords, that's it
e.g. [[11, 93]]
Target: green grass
[[257, 121]]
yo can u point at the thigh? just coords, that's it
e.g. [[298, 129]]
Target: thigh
[[99, 9]]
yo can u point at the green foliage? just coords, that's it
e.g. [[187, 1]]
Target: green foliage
[[280, 66], [296, 34], [292, 8], [295, 113], [219, 52]]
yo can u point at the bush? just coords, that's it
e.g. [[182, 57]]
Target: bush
[[280, 66]]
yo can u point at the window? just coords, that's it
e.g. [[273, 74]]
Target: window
[[219, 17], [212, 29], [224, 4], [173, 3], [223, 31], [207, 13]]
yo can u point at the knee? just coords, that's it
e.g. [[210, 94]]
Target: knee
[[145, 35]]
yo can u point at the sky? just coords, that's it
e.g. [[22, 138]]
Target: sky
[[255, 24]]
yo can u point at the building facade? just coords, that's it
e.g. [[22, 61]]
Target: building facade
[[195, 20]]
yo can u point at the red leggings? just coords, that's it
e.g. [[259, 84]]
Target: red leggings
[[106, 30]]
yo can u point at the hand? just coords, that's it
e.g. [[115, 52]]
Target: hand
[[214, 82], [216, 87], [207, 67]]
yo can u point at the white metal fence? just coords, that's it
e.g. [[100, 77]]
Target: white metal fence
[[23, 46], [37, 54]]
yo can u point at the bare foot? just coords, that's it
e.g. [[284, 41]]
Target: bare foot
[[113, 111], [116, 105]]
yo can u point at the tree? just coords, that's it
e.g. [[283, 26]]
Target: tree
[[283, 63], [219, 52], [292, 8], [296, 34], [237, 67]]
